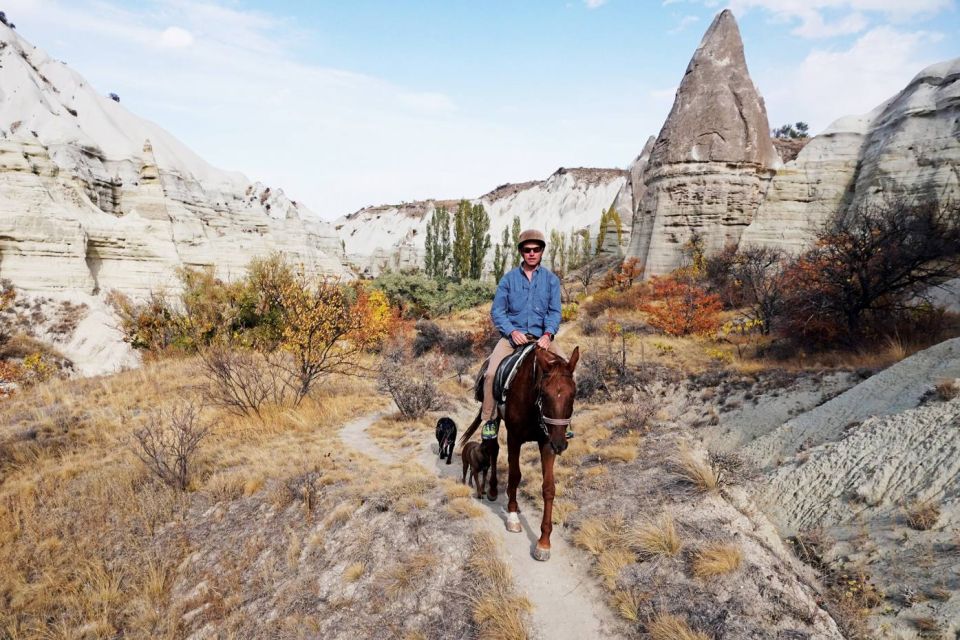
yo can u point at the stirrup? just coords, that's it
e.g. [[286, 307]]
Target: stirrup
[[489, 430]]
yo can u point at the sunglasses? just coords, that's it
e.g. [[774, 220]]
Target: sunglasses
[[534, 249]]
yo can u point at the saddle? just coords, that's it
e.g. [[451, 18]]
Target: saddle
[[506, 372]]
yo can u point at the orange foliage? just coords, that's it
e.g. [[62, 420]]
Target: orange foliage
[[682, 308]]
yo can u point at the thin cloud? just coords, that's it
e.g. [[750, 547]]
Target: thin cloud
[[176, 38], [685, 22], [594, 4]]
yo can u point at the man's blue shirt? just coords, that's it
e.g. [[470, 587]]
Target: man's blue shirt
[[528, 306]]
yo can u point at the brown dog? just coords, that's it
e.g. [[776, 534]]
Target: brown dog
[[477, 457]]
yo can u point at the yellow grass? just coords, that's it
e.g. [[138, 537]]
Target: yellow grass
[[696, 473], [716, 560], [465, 508], [610, 562], [656, 537], [628, 603], [354, 572], [666, 626], [498, 611]]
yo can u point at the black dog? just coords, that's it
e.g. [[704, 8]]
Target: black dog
[[446, 437]]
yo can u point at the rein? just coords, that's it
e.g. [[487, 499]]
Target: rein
[[544, 420]]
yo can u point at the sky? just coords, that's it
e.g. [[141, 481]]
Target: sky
[[345, 104]]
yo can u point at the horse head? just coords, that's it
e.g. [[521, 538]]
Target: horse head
[[557, 389]]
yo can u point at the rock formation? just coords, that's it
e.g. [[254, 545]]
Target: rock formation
[[376, 238], [713, 159], [93, 198], [906, 148]]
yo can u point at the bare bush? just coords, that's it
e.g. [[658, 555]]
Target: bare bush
[[922, 516], [243, 381], [947, 390], [759, 272], [412, 388], [637, 412], [169, 442]]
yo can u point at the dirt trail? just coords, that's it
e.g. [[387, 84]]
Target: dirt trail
[[568, 605]]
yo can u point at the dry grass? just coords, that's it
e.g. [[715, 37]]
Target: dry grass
[[695, 473], [922, 516], [656, 537], [498, 611], [628, 603], [947, 390], [91, 546], [666, 626], [716, 560], [611, 562], [354, 572]]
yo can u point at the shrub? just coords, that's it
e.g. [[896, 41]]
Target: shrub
[[947, 390], [683, 308], [759, 274], [169, 442], [413, 389], [241, 380], [922, 516], [429, 336], [153, 325], [414, 294]]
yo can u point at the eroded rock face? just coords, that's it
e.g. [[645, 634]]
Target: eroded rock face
[[377, 238], [710, 166], [908, 148], [93, 198]]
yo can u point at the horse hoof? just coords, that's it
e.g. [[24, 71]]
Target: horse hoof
[[541, 554], [492, 497], [513, 523]]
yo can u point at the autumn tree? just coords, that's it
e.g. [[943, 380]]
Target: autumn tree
[[872, 263], [515, 232], [680, 307], [760, 276], [327, 326]]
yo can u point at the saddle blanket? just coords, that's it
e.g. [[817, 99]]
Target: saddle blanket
[[506, 372]]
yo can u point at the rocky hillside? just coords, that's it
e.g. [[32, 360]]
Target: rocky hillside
[[93, 198], [392, 236]]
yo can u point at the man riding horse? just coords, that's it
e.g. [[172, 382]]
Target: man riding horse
[[525, 308]]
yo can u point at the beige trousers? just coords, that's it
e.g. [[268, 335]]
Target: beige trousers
[[501, 351]]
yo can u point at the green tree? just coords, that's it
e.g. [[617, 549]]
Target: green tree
[[437, 245], [515, 238], [461, 241], [586, 247], [573, 251], [478, 226], [609, 218], [500, 255]]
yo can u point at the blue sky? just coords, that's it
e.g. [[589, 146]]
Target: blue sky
[[351, 103]]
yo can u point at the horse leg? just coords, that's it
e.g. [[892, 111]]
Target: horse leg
[[465, 465], [450, 443], [547, 458], [478, 483], [492, 493], [513, 481]]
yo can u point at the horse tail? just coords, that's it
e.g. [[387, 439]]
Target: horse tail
[[472, 429]]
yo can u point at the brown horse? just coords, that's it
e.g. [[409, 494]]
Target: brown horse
[[538, 409]]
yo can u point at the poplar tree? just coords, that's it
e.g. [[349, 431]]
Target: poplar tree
[[478, 226], [515, 237], [437, 245], [461, 241], [609, 218], [500, 255]]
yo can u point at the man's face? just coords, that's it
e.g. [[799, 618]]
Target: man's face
[[532, 253]]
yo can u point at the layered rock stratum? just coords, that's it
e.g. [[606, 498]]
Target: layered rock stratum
[[93, 198]]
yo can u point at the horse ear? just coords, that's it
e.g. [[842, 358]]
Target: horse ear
[[574, 358]]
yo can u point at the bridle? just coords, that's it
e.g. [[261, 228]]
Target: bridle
[[545, 420]]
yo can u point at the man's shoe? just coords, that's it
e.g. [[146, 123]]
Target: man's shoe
[[489, 430]]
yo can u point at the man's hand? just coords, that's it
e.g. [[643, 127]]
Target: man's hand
[[518, 338], [543, 341]]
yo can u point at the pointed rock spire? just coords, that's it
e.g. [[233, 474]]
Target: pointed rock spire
[[718, 115]]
